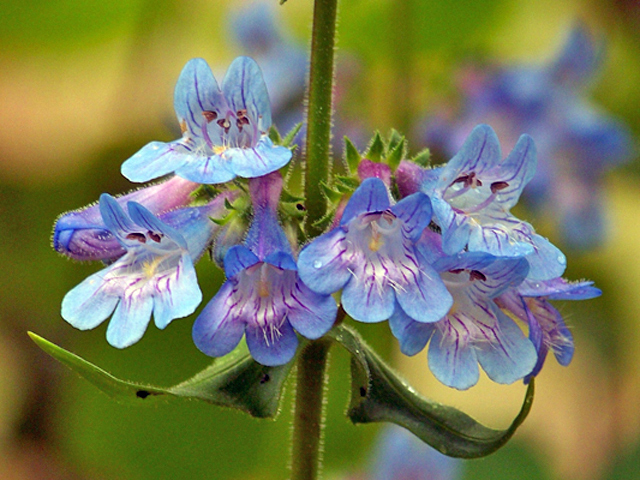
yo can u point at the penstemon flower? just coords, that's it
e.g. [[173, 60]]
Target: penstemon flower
[[82, 234], [224, 130], [474, 330], [263, 296], [547, 330], [372, 257], [155, 275], [472, 196]]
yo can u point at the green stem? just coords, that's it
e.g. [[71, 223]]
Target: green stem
[[319, 110], [308, 413]]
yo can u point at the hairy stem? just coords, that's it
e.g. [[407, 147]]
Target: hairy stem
[[319, 110]]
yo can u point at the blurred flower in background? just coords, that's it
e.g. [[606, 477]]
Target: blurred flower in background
[[577, 141]]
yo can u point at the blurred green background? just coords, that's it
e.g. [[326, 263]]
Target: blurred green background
[[85, 83]]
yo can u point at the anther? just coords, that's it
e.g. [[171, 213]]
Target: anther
[[209, 115], [476, 275], [137, 236], [156, 237], [497, 186]]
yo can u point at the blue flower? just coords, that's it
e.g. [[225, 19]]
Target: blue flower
[[577, 142], [155, 275], [474, 330], [472, 196], [82, 234], [399, 455], [263, 296], [224, 130], [371, 256], [547, 330]]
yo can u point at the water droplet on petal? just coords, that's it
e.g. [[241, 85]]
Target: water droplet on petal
[[317, 264]]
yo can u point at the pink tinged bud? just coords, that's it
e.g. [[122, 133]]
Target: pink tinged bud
[[369, 169], [409, 176]]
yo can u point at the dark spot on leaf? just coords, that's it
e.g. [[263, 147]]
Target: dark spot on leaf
[[142, 394], [265, 378], [363, 392], [301, 207]]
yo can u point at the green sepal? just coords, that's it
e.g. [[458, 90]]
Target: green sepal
[[221, 221], [333, 195], [323, 222], [423, 158], [394, 139], [348, 182], [396, 154], [376, 152], [378, 394], [287, 197], [235, 380], [288, 138], [352, 156], [274, 135]]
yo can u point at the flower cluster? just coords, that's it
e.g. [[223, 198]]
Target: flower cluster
[[577, 141], [444, 260]]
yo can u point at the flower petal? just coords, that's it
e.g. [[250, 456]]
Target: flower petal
[[423, 297], [413, 336], [156, 159], [323, 264], [217, 331], [207, 169], [272, 347], [88, 305], [238, 258], [415, 213], [177, 294], [244, 89], [260, 160], [371, 196], [311, 314], [130, 320], [452, 361], [547, 261], [368, 297], [508, 355]]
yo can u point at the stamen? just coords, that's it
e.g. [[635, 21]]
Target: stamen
[[477, 275], [156, 237]]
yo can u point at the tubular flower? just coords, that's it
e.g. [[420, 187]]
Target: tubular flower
[[530, 303], [82, 234], [224, 130], [155, 275], [372, 257], [474, 330], [472, 196], [263, 296]]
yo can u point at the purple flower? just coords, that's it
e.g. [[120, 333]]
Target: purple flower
[[577, 142], [82, 234], [474, 330], [155, 275], [263, 296], [547, 330], [472, 196], [372, 257], [224, 130], [399, 455]]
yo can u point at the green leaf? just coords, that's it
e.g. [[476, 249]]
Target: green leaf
[[352, 155], [378, 394], [287, 197], [330, 193], [376, 149], [235, 381], [286, 141]]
